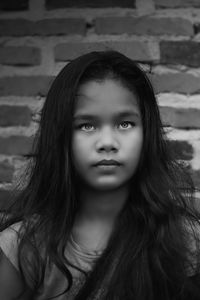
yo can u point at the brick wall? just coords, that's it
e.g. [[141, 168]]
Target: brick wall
[[38, 37]]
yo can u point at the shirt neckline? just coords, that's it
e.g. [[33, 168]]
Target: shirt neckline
[[83, 251]]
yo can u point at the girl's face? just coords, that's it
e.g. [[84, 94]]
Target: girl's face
[[107, 126]]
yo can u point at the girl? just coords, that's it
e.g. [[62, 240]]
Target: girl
[[107, 213]]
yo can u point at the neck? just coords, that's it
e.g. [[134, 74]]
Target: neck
[[102, 206], [97, 213]]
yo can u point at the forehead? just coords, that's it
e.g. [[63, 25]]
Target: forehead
[[105, 97]]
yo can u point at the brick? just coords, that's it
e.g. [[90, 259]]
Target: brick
[[176, 3], [15, 27], [180, 117], [180, 52], [6, 172], [143, 26], [176, 82], [14, 115], [196, 28], [22, 27], [12, 5], [137, 50], [25, 86], [60, 27], [16, 145], [52, 4], [196, 178], [25, 56], [181, 149]]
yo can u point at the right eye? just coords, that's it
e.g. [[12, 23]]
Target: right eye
[[86, 127]]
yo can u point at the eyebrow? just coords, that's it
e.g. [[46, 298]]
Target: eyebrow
[[116, 116]]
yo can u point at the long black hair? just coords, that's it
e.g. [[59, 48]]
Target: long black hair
[[148, 255]]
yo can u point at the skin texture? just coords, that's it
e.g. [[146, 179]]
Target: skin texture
[[108, 136]]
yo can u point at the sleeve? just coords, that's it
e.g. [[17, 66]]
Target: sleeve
[[193, 244], [11, 283]]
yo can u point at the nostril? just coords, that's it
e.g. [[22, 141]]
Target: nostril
[[107, 148]]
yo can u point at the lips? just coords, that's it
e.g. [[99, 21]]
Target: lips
[[110, 162]]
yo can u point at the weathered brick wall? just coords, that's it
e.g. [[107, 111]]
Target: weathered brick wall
[[38, 37]]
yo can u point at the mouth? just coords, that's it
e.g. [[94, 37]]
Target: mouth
[[107, 163], [107, 168]]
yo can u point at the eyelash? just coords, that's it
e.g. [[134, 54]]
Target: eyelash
[[127, 122]]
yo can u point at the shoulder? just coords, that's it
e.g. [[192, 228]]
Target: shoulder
[[192, 236], [11, 283], [9, 241]]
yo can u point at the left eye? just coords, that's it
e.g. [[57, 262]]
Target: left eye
[[126, 125], [87, 127]]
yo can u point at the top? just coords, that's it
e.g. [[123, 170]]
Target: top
[[54, 282]]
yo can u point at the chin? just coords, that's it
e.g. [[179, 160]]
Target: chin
[[107, 186]]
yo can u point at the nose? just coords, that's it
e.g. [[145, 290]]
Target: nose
[[107, 140]]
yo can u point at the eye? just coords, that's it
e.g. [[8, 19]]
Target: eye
[[86, 127], [126, 124]]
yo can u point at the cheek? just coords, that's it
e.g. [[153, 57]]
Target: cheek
[[79, 151], [138, 144], [135, 147], [136, 138], [75, 150]]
